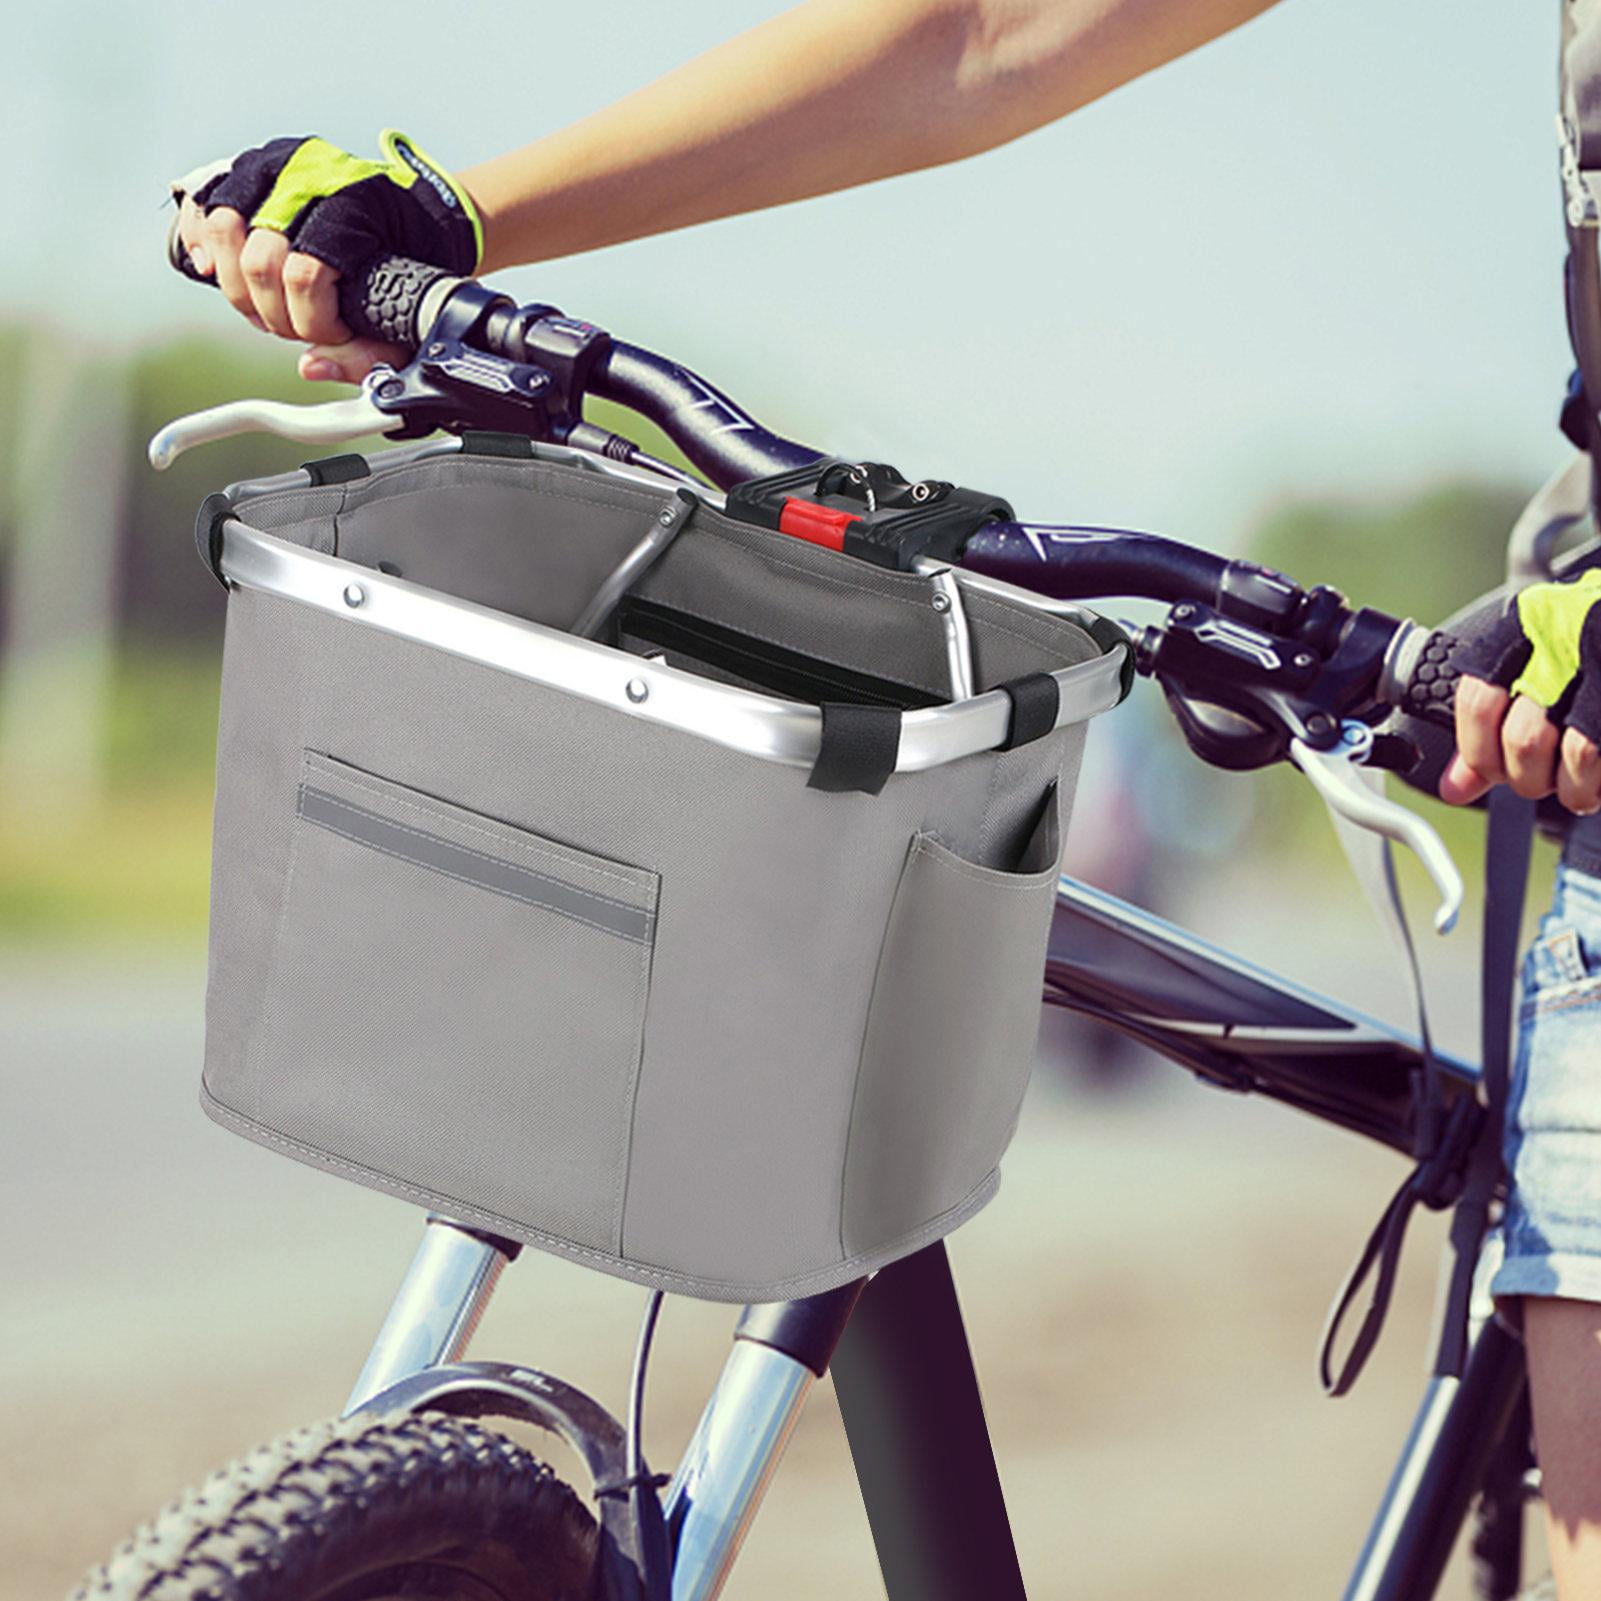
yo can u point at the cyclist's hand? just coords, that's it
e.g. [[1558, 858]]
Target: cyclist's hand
[[279, 225], [1530, 713]]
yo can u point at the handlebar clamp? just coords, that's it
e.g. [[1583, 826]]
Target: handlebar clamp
[[487, 363], [868, 510], [451, 385]]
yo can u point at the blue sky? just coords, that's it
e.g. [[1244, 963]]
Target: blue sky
[[1320, 256]]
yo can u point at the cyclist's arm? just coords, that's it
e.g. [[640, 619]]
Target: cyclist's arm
[[831, 94], [826, 96]]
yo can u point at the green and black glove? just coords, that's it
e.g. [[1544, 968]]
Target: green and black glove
[[1547, 645], [342, 209]]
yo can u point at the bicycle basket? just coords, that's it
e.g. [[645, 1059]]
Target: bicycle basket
[[621, 945]]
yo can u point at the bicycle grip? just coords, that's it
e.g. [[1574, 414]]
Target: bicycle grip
[[385, 300], [1428, 679]]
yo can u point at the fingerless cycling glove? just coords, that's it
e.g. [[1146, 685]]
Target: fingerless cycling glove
[[1547, 645], [345, 210]]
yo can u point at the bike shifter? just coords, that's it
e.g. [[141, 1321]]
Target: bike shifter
[[1334, 776]]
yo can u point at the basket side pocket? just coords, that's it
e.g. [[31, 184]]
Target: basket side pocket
[[951, 1034], [454, 1007]]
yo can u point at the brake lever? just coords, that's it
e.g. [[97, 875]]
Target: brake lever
[[331, 422], [1334, 776], [445, 384]]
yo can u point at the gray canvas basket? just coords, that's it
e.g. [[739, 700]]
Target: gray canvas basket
[[558, 935]]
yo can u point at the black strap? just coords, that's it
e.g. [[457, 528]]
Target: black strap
[[214, 511], [1110, 636], [859, 748], [474, 442], [336, 469], [1036, 702], [1506, 873], [1433, 1183], [1383, 1250], [1459, 1139], [1443, 1124]]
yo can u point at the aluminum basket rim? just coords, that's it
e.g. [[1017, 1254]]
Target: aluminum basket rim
[[753, 724]]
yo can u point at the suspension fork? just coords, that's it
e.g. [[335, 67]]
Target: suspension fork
[[906, 1383], [437, 1307], [415, 1366], [780, 1351]]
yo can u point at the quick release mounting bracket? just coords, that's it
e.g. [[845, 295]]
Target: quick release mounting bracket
[[869, 510]]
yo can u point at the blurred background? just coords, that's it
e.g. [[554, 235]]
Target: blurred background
[[1297, 296]]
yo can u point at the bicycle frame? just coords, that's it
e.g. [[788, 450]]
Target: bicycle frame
[[898, 1350]]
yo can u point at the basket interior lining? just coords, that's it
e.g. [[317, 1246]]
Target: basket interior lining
[[537, 541]]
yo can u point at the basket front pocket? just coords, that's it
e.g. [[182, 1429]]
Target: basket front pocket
[[456, 1005], [951, 1034]]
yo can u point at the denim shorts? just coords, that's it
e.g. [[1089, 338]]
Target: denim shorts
[[1552, 1229]]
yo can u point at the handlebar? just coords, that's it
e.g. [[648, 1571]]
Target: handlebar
[[1251, 661], [1239, 638], [1073, 562], [721, 439], [401, 302]]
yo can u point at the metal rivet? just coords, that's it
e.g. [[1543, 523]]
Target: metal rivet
[[638, 689], [941, 602], [354, 594]]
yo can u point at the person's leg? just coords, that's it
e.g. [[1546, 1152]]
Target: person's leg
[[1550, 1277], [1564, 1347]]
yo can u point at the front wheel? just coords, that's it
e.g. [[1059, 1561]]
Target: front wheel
[[367, 1509]]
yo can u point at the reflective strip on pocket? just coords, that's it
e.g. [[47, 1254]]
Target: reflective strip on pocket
[[471, 866]]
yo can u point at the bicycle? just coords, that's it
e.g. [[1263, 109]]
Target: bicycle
[[407, 1495]]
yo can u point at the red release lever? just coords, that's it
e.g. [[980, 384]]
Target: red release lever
[[819, 525]]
